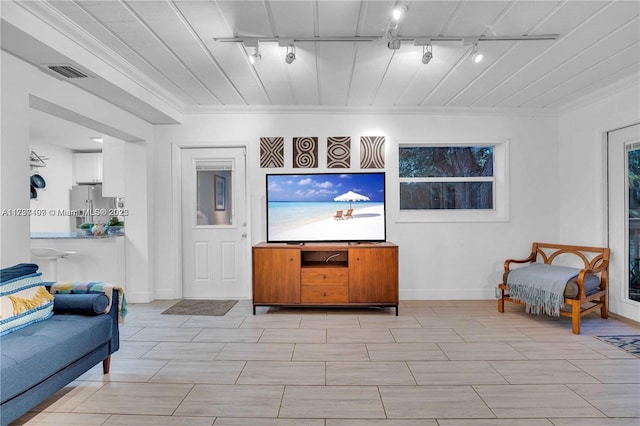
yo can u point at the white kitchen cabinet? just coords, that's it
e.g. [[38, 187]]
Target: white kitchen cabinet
[[87, 167]]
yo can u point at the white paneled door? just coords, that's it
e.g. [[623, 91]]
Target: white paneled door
[[624, 220], [214, 231]]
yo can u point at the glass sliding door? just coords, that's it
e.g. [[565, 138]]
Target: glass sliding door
[[633, 220], [623, 201]]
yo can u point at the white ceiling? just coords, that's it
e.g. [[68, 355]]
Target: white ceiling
[[47, 129], [169, 46]]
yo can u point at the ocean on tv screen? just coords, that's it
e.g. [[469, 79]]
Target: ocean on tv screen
[[326, 207]]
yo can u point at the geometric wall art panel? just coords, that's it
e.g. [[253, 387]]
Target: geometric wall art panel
[[372, 152], [339, 152], [272, 152], [305, 152]]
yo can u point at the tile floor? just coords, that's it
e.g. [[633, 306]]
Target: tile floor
[[438, 363]]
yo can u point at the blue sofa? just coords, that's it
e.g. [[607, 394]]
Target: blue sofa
[[42, 357]]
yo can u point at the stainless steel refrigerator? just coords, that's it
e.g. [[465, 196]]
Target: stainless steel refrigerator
[[89, 206]]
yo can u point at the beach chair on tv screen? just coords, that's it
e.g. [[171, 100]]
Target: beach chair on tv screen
[[338, 215], [349, 214]]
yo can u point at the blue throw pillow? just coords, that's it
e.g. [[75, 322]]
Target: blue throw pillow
[[18, 270], [80, 304]]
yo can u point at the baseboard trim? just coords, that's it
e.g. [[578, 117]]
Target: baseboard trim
[[481, 294], [166, 294], [138, 297], [624, 319]]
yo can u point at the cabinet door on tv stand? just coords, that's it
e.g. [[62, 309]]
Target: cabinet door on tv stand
[[373, 275], [276, 275]]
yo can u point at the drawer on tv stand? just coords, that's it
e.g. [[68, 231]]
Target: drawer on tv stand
[[324, 276], [327, 294]]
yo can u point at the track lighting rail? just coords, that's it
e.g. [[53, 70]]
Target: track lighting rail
[[294, 39], [394, 42], [404, 38]]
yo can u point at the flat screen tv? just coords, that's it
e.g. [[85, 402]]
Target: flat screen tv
[[326, 207]]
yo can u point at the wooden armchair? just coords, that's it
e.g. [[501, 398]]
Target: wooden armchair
[[594, 262]]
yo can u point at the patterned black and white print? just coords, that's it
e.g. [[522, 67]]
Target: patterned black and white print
[[629, 343], [339, 152], [272, 152], [305, 153], [372, 152]]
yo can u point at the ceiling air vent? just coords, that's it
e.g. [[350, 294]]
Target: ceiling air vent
[[67, 71]]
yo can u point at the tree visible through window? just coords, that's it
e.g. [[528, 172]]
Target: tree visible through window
[[446, 177], [633, 175]]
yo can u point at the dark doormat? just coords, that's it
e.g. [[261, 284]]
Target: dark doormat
[[201, 307], [628, 343]]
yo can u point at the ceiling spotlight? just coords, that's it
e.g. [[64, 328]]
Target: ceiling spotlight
[[427, 53], [394, 43], [399, 12], [291, 54], [476, 56], [255, 57]]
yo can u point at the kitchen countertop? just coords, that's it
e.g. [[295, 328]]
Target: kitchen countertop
[[69, 235], [89, 258]]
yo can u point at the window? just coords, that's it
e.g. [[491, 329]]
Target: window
[[213, 183], [453, 182], [633, 218]]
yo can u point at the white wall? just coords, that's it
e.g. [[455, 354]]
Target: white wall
[[114, 167], [59, 179], [14, 166], [583, 206], [138, 224], [437, 260], [582, 173]]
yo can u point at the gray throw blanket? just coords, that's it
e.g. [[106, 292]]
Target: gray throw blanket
[[540, 286]]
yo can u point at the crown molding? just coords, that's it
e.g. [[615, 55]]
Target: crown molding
[[372, 110], [600, 93]]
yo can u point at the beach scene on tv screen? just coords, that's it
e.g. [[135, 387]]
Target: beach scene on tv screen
[[326, 207]]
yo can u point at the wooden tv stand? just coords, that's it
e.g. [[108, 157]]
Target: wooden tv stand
[[325, 274]]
